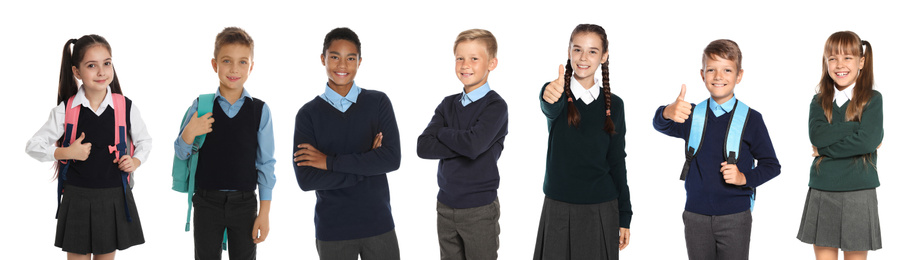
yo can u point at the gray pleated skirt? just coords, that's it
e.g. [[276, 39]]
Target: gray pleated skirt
[[94, 221], [841, 219], [578, 231]]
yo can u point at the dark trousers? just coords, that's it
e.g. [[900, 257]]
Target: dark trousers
[[380, 247], [470, 233], [215, 211], [718, 237]]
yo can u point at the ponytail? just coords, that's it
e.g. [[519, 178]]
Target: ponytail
[[572, 115], [865, 83], [72, 57]]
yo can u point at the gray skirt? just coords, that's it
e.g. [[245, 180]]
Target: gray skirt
[[841, 219], [578, 231], [94, 221]]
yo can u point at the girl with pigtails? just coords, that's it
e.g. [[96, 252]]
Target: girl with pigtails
[[97, 214], [845, 128], [586, 210]]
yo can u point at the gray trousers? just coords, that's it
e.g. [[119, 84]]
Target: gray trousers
[[380, 247], [723, 237], [470, 233]]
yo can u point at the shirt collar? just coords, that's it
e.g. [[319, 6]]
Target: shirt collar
[[245, 94], [586, 95], [335, 98], [726, 107], [841, 96], [475, 95], [81, 99]]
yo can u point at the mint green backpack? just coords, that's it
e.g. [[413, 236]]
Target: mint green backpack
[[184, 170]]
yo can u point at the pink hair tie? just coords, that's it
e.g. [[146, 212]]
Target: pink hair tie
[[569, 99], [608, 112]]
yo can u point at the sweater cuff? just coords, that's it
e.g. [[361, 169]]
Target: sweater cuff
[[625, 218]]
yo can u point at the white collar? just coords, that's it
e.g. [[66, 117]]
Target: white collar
[[80, 99], [841, 96], [586, 95]]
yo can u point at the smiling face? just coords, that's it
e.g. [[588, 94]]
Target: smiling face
[[720, 76], [844, 68], [473, 64], [233, 65], [586, 54], [341, 60], [96, 68]]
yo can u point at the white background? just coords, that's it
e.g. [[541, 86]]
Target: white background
[[162, 52]]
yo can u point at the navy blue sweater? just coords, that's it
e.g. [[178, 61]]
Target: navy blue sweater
[[706, 191], [353, 196], [98, 171], [468, 141]]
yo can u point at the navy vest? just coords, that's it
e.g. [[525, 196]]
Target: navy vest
[[98, 171], [226, 161]]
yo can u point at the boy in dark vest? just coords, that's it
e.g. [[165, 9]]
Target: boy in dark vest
[[720, 185], [237, 155], [347, 141]]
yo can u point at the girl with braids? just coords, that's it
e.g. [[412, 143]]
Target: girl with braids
[[846, 128], [97, 215], [586, 210]]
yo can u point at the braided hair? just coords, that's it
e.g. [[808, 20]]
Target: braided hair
[[572, 115]]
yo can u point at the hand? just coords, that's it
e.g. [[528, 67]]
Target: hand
[[261, 228], [127, 163], [554, 90], [815, 151], [879, 146], [309, 156], [624, 238], [77, 150], [679, 110], [377, 140], [732, 175], [197, 126]]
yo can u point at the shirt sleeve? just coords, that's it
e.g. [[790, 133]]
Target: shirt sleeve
[[762, 149], [479, 137], [43, 143], [311, 178], [182, 149], [867, 136], [139, 134], [428, 145], [669, 127], [377, 161], [551, 111], [822, 133], [616, 158], [264, 160]]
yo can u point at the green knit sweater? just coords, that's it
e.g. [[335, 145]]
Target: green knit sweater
[[848, 150]]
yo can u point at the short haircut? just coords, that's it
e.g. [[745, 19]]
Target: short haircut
[[726, 49], [233, 35], [342, 33], [481, 35]]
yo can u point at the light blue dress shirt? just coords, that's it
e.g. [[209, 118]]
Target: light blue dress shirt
[[264, 161], [340, 102], [724, 108], [475, 95]]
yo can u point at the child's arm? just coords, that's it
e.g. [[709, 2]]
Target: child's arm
[[43, 145], [762, 149], [552, 99], [867, 136], [671, 119], [264, 160], [428, 145], [191, 127], [262, 224], [381, 160], [616, 158], [479, 137], [311, 178], [822, 133], [140, 138]]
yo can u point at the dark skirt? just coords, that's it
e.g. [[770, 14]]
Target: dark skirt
[[578, 231], [94, 221], [845, 219]]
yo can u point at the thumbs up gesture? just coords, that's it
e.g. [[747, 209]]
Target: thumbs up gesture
[[554, 90], [679, 110], [78, 150]]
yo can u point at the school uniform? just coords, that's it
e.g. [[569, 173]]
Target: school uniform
[[92, 216], [587, 194], [236, 157], [466, 133], [352, 214], [841, 208], [717, 217]]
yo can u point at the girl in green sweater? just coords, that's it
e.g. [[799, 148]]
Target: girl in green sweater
[[846, 129]]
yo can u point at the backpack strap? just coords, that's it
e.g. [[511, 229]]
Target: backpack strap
[[70, 127], [738, 120], [205, 105], [699, 121]]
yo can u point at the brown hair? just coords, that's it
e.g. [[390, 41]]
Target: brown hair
[[724, 48], [481, 35], [73, 57], [846, 42], [233, 35], [572, 115]]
